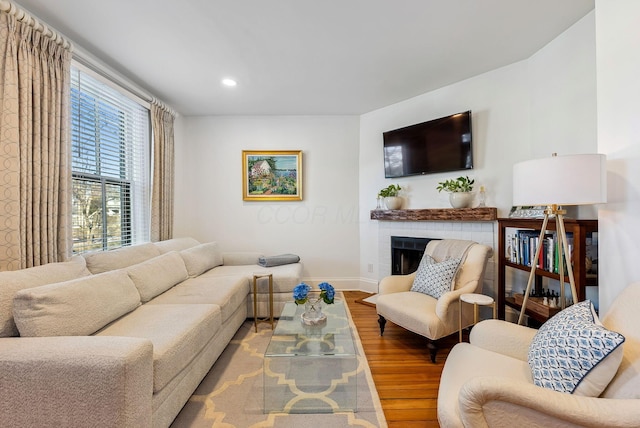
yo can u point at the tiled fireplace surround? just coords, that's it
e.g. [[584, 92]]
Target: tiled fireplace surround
[[483, 232]]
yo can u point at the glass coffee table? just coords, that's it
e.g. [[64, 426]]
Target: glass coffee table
[[311, 369]]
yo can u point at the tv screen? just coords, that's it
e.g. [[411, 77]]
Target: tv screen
[[439, 145]]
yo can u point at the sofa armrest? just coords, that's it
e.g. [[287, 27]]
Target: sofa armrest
[[496, 401], [76, 381], [503, 337], [450, 297], [240, 258], [396, 283]]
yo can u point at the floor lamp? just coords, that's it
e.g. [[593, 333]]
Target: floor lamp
[[555, 182]]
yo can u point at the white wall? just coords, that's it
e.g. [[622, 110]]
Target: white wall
[[562, 92], [563, 97], [618, 70], [500, 111], [322, 229], [529, 109]]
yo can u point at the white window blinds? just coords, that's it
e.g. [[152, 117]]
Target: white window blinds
[[110, 136]]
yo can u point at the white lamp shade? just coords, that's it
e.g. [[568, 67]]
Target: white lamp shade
[[560, 180]]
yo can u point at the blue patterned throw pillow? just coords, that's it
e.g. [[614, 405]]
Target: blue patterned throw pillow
[[435, 278], [572, 352]]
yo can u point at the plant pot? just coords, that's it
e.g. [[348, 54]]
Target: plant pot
[[461, 199], [393, 202]]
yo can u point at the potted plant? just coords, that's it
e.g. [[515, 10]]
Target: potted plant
[[390, 196], [460, 191]]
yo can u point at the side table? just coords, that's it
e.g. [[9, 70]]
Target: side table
[[475, 300], [256, 319]]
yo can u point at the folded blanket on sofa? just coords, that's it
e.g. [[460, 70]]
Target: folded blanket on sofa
[[282, 259]]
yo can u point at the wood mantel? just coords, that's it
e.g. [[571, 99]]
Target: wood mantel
[[437, 214]]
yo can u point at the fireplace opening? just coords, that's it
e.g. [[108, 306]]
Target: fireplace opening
[[406, 253]]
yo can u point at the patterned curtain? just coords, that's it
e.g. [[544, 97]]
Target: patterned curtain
[[35, 171], [163, 169]]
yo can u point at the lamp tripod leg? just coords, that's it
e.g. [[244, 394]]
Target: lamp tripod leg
[[532, 273], [567, 258]]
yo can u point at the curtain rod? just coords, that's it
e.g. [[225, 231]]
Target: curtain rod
[[87, 60], [80, 55], [22, 15]]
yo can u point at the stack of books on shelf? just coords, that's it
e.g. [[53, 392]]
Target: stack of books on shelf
[[522, 245]]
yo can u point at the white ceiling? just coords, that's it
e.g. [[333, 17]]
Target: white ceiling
[[304, 56]]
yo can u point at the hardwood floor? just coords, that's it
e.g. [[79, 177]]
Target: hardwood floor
[[406, 379]]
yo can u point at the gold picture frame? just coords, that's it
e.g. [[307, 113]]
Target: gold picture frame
[[272, 175]]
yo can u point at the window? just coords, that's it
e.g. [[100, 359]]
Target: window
[[110, 137]]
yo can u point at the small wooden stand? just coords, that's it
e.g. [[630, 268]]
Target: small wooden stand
[[256, 319]]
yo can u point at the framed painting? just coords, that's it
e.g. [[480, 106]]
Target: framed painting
[[272, 175]]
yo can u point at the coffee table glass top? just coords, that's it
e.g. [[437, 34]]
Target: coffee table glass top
[[292, 337]]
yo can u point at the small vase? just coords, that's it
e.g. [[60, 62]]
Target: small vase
[[393, 202], [461, 199], [313, 311]]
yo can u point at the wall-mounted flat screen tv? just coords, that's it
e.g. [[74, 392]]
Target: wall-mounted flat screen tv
[[438, 145]]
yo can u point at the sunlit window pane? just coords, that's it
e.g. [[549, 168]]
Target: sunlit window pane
[[110, 165]]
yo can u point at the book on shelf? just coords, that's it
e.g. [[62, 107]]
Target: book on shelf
[[522, 246]]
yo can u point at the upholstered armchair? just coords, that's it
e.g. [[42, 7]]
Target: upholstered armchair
[[489, 381], [421, 312]]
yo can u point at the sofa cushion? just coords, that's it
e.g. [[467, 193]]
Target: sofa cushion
[[572, 352], [285, 277], [414, 311], [178, 333], [14, 281], [176, 244], [104, 261], [201, 258], [228, 292], [157, 275], [240, 258], [75, 308], [435, 278]]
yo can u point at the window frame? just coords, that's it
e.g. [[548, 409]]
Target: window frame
[[134, 226]]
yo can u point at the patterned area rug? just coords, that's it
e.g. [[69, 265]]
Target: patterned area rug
[[231, 395]]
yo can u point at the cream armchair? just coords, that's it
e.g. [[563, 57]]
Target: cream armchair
[[423, 314], [488, 383]]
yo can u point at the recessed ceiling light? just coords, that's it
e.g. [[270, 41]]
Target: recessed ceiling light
[[229, 83]]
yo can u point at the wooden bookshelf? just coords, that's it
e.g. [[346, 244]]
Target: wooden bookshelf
[[581, 230]]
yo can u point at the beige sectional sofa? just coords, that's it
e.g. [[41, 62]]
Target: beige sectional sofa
[[122, 338]]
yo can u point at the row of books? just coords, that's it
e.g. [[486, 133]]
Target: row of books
[[522, 245]]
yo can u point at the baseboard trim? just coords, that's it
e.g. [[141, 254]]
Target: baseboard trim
[[346, 284]]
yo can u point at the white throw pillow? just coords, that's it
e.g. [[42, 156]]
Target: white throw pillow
[[13, 281], [435, 278], [201, 258], [176, 244], [157, 275], [105, 261], [75, 308], [572, 352]]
